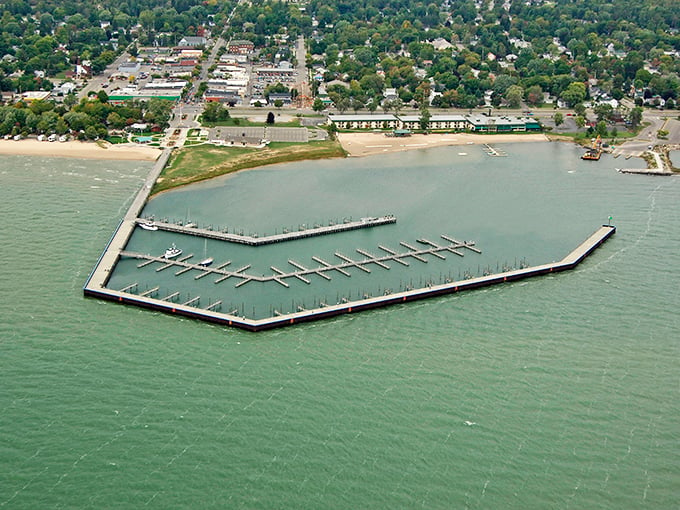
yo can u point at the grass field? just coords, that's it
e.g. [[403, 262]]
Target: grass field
[[194, 164]]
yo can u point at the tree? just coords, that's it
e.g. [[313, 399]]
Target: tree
[[558, 118], [580, 109], [601, 128], [503, 83], [574, 93], [603, 111], [534, 95], [580, 121], [342, 104], [424, 119], [395, 105], [270, 118], [115, 120], [514, 96], [318, 105], [91, 132], [214, 112], [635, 116]]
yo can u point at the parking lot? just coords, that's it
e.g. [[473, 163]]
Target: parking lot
[[252, 135]]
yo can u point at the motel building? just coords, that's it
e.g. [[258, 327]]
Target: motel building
[[367, 121], [477, 123], [437, 122]]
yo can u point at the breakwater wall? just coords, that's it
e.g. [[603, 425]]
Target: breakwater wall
[[99, 276], [97, 289]]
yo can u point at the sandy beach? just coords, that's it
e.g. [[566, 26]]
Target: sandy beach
[[79, 150], [366, 144]]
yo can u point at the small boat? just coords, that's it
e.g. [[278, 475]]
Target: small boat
[[148, 225], [206, 260], [172, 252]]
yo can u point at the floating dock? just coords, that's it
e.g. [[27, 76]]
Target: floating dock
[[182, 265], [96, 287], [276, 238]]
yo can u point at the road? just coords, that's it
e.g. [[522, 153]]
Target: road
[[302, 71], [95, 83]]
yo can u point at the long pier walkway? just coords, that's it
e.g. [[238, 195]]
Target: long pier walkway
[[275, 238], [104, 267]]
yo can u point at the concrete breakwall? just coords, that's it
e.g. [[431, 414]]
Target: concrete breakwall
[[569, 262]]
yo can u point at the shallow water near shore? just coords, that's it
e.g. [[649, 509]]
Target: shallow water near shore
[[553, 392]]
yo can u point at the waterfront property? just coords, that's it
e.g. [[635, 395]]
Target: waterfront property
[[476, 123]]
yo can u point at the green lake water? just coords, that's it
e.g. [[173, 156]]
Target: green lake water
[[554, 392]]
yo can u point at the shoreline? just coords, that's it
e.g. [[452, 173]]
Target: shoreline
[[363, 144], [369, 144], [79, 150]]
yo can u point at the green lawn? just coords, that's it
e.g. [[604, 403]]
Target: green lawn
[[193, 164], [116, 139]]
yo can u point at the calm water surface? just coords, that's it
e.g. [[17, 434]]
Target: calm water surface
[[557, 392]]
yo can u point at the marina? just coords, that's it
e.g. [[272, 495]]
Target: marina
[[343, 281], [211, 313]]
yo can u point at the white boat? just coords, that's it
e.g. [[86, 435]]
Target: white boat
[[172, 252], [206, 260], [148, 225]]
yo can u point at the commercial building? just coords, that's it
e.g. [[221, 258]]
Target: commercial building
[[477, 123]]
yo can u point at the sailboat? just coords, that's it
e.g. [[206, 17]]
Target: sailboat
[[187, 222], [206, 260]]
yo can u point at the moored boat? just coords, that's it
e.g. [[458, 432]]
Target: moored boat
[[148, 225], [172, 252], [206, 262]]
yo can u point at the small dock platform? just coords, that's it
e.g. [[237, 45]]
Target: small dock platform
[[275, 238], [492, 151]]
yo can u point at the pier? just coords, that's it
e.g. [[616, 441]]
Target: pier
[[292, 235], [492, 151], [279, 319], [183, 265]]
